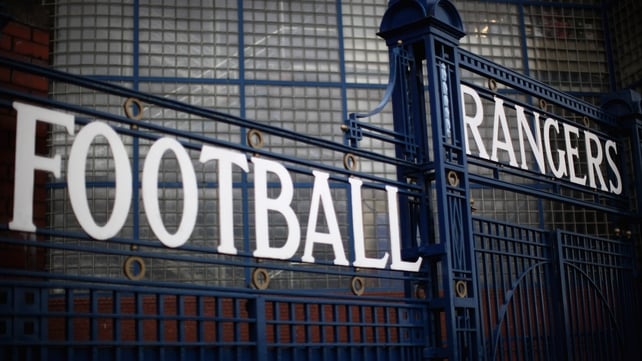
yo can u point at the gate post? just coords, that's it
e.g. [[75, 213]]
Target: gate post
[[626, 106], [425, 33]]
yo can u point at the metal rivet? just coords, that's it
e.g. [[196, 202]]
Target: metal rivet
[[542, 104], [255, 138], [350, 161], [492, 84], [129, 106], [134, 268], [586, 121], [461, 289], [358, 285], [453, 178], [260, 278]]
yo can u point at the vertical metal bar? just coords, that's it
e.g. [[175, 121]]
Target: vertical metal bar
[[257, 311], [342, 79], [363, 325], [521, 300], [322, 324], [44, 322], [200, 326], [69, 337], [135, 140], [93, 322], [538, 308], [501, 262], [140, 325], [493, 281], [538, 304], [117, 324], [180, 325], [567, 327], [276, 306], [237, 339], [291, 321], [576, 295], [220, 330], [525, 298], [571, 304], [160, 330]]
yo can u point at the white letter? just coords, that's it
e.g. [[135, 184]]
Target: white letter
[[78, 187], [507, 145], [27, 161], [572, 152], [617, 187], [360, 259], [594, 161], [534, 141], [321, 196], [225, 191], [280, 204], [395, 241], [473, 122], [560, 171], [150, 192]]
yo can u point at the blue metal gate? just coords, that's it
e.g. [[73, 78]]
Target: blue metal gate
[[478, 260], [554, 296], [532, 201], [132, 298]]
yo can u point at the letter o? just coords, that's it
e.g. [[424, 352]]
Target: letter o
[[150, 192], [78, 188]]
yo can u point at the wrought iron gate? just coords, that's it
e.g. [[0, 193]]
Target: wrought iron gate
[[418, 263], [554, 295], [130, 297]]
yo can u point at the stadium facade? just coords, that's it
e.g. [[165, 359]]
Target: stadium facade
[[306, 209]]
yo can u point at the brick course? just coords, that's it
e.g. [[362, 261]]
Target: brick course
[[28, 44]]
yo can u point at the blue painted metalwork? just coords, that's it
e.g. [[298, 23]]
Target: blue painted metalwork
[[430, 31], [488, 289], [493, 319], [77, 317]]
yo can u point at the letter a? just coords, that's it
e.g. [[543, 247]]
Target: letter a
[[321, 195]]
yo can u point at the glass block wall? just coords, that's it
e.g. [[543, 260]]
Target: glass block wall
[[304, 65], [626, 32], [563, 44]]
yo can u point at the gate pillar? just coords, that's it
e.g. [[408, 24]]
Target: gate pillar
[[423, 38], [626, 106]]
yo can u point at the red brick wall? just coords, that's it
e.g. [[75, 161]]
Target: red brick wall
[[27, 44]]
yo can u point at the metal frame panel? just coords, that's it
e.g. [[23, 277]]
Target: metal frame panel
[[73, 316], [488, 288]]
